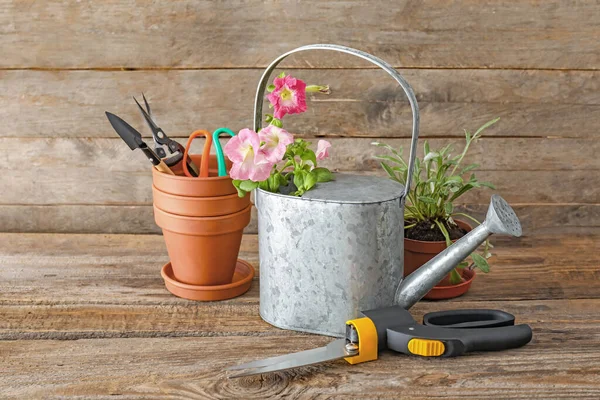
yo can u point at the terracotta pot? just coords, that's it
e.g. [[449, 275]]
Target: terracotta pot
[[418, 252], [203, 250], [181, 185], [199, 206]]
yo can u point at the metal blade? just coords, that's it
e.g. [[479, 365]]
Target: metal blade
[[129, 135], [275, 360], [146, 116], [147, 105], [333, 351]]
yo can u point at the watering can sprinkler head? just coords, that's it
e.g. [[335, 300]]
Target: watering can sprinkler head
[[500, 219]]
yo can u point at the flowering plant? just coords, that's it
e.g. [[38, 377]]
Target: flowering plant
[[271, 159]]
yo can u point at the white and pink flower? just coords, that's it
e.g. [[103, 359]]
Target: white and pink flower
[[288, 97], [249, 161], [323, 149], [275, 141]]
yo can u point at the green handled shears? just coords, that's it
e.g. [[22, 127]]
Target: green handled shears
[[220, 157]]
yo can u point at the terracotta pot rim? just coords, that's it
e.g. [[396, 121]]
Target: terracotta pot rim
[[184, 178], [199, 198], [438, 242], [201, 219], [202, 226]]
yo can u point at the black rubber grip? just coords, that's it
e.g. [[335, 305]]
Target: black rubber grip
[[461, 331], [460, 341], [482, 318]]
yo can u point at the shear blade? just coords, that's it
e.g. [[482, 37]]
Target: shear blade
[[333, 351]]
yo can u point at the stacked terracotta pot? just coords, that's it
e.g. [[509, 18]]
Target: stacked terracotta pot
[[202, 220]]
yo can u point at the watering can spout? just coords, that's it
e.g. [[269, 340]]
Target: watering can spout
[[500, 219]]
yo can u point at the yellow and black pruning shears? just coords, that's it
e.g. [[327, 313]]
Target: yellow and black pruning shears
[[442, 334]]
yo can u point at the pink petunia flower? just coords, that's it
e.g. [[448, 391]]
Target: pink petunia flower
[[289, 96], [275, 142], [323, 149], [248, 160]]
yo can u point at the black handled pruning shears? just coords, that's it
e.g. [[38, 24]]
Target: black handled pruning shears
[[442, 334], [163, 144]]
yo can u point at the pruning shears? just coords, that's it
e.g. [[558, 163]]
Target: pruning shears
[[442, 334]]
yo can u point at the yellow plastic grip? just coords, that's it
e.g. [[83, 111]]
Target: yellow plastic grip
[[426, 347], [367, 340]]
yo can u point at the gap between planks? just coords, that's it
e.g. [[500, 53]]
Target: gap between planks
[[336, 136], [149, 204], [225, 68]]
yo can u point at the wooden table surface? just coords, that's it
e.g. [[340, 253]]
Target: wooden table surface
[[88, 316]]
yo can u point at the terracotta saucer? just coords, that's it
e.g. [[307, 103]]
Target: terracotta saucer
[[242, 279], [449, 292]]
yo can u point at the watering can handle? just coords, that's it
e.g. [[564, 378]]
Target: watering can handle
[[262, 85]]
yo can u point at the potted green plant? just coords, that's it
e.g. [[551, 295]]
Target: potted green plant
[[439, 180]]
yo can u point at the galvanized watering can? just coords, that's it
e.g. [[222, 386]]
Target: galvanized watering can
[[339, 248]]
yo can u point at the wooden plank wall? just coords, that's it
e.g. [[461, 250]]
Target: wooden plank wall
[[534, 64]]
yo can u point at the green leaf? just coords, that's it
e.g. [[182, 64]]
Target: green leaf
[[299, 178], [323, 174], [467, 135], [462, 191], [310, 180], [264, 185], [389, 171], [430, 156], [268, 118], [427, 200], [488, 185], [309, 155], [455, 277], [444, 232], [282, 180], [248, 185], [481, 263], [277, 122], [468, 168], [273, 183], [454, 179], [426, 149], [448, 208], [484, 127], [391, 159], [270, 88], [390, 148], [462, 265], [281, 75], [236, 183]]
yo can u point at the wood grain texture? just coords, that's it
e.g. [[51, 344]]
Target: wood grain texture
[[136, 341], [98, 185], [535, 218], [105, 172], [362, 102], [205, 34], [194, 368], [124, 270]]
